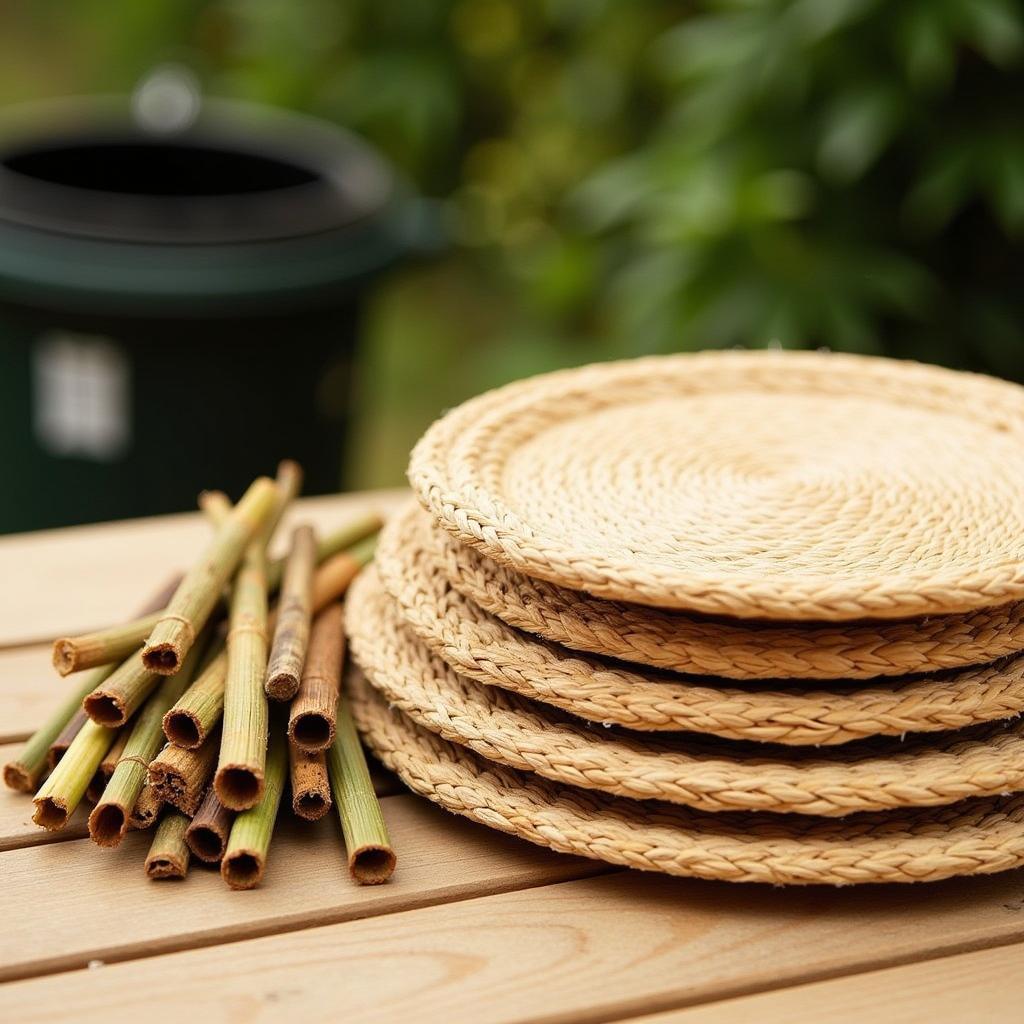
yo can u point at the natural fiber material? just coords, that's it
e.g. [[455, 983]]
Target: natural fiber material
[[730, 648], [481, 646], [713, 776], [777, 485], [973, 837]]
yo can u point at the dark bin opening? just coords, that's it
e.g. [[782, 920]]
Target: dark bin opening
[[158, 168]]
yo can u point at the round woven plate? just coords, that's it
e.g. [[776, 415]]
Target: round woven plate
[[754, 484], [732, 649], [479, 645], [711, 776], [922, 845]]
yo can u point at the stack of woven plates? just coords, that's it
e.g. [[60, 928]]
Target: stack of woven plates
[[750, 616]]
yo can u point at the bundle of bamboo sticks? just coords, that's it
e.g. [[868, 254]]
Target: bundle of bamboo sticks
[[193, 716]]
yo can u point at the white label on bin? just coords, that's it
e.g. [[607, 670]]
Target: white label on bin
[[81, 396]]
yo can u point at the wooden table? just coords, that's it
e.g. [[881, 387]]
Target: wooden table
[[475, 926]]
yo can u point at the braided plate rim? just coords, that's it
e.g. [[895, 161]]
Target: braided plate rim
[[482, 647], [633, 512], [915, 845], [507, 729], [731, 649]]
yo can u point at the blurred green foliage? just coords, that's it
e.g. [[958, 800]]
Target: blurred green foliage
[[623, 178]]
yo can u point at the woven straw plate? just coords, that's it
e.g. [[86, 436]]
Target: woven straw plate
[[922, 845], [711, 776], [755, 484], [733, 649], [479, 645]]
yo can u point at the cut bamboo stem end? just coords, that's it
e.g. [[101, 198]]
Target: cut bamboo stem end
[[106, 769], [62, 792], [294, 611], [196, 713], [111, 646], [168, 855], [244, 861], [196, 597], [207, 836], [121, 694], [146, 810], [180, 776], [371, 859], [312, 716], [358, 528], [109, 819], [311, 788]]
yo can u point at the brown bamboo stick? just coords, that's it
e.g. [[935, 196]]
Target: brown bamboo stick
[[107, 766], [146, 810], [245, 858], [181, 776], [62, 792], [358, 528], [168, 855], [108, 822], [190, 607], [59, 747], [291, 633], [207, 836], [189, 722], [110, 646], [311, 788], [311, 719]]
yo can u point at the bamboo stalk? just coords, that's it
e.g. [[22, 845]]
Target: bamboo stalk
[[207, 836], [291, 634], [59, 747], [168, 855], [103, 647], [181, 776], [109, 819], [359, 527], [121, 694], [216, 505], [371, 860], [107, 766], [196, 597], [146, 810], [311, 719], [311, 788], [189, 722], [62, 792], [245, 858]]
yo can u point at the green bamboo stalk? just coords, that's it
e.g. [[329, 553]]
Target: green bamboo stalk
[[190, 607], [107, 766], [245, 859], [108, 822], [168, 855], [294, 611], [59, 747], [25, 771], [207, 836], [360, 527], [371, 859], [121, 694], [62, 792]]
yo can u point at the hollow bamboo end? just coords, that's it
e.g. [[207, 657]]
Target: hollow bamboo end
[[372, 865], [18, 777], [105, 708], [238, 786], [164, 865], [311, 805], [206, 843], [183, 729], [108, 824], [282, 686], [243, 869], [64, 656], [51, 813], [311, 731], [164, 659]]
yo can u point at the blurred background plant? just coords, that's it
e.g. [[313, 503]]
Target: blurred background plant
[[625, 178]]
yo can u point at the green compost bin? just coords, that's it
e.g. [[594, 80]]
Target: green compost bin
[[178, 309]]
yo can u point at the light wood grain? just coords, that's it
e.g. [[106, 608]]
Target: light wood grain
[[307, 883], [29, 690], [591, 950], [973, 988], [58, 582]]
